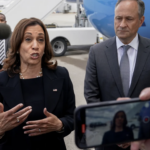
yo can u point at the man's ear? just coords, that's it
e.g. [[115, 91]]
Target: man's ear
[[142, 20]]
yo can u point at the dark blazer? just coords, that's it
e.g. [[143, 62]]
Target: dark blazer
[[61, 103], [103, 80]]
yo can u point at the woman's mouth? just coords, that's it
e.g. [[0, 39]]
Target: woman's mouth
[[34, 55]]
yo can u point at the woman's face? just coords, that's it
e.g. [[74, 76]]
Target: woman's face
[[32, 46], [120, 118]]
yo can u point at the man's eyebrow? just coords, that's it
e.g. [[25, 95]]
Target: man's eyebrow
[[130, 17], [118, 17], [125, 16]]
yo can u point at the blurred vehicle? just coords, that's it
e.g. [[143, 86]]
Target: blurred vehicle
[[94, 125], [62, 37], [134, 122]]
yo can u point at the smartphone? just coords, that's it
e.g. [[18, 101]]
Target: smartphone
[[113, 122]]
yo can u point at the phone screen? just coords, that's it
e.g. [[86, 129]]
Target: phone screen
[[113, 124]]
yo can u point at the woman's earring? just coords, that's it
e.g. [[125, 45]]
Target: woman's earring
[[17, 52]]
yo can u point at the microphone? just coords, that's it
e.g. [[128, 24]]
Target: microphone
[[5, 31]]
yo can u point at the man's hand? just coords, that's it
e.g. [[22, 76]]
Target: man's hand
[[145, 94], [49, 124], [11, 118], [123, 98], [145, 144], [142, 145]]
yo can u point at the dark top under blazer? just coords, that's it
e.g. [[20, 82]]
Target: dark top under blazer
[[103, 80], [61, 103]]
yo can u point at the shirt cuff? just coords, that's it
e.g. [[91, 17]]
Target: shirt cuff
[[61, 131]]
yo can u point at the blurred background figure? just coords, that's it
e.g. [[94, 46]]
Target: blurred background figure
[[4, 43], [119, 131]]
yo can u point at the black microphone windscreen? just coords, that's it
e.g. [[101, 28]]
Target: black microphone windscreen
[[5, 31]]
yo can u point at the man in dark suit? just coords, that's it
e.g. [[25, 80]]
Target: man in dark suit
[[120, 66], [4, 44]]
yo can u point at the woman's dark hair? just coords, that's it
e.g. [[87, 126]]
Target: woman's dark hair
[[114, 119], [12, 62]]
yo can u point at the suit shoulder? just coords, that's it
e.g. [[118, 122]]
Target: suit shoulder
[[3, 78], [102, 45], [145, 41]]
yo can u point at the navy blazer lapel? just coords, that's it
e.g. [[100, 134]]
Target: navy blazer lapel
[[52, 88], [12, 91], [140, 62], [112, 59]]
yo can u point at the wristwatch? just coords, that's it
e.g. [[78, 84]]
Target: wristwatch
[[62, 130]]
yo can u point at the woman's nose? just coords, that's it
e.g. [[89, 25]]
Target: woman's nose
[[35, 45]]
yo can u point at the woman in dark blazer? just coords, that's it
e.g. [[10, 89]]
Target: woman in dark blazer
[[37, 97], [119, 132]]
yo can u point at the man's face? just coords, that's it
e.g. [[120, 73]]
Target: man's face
[[127, 21], [2, 19]]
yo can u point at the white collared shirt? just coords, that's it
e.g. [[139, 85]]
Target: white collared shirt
[[3, 49], [4, 43], [132, 53]]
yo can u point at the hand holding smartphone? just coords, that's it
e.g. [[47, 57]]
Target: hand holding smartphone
[[114, 122]]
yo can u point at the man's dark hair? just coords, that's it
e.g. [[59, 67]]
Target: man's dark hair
[[3, 15], [140, 4]]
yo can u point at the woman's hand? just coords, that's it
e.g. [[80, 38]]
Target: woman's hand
[[125, 145], [49, 124], [11, 118]]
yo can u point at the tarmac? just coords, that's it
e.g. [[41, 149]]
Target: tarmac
[[75, 60]]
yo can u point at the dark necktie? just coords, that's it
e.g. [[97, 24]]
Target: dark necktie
[[2, 52], [125, 70]]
